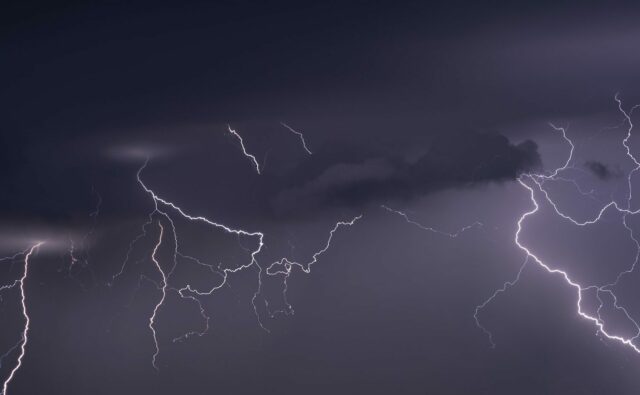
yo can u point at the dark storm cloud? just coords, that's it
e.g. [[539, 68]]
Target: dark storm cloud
[[452, 161], [601, 170]]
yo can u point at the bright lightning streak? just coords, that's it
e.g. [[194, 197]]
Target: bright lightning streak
[[579, 288], [152, 319], [528, 181], [23, 301], [292, 130], [158, 200], [244, 150]]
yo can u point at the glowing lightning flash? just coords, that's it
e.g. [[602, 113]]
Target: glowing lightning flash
[[534, 183], [25, 331]]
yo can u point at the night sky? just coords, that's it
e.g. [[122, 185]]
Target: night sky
[[426, 126]]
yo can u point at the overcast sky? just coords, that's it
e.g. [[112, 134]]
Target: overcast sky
[[433, 109]]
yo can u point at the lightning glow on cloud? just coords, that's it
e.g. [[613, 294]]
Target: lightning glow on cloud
[[534, 184]]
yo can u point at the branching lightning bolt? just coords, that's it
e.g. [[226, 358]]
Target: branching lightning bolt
[[292, 130], [534, 183], [284, 265], [166, 209], [23, 301], [188, 292], [306, 267]]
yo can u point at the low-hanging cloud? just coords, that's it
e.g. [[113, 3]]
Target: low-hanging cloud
[[452, 161]]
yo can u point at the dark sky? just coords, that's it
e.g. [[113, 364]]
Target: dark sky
[[431, 108]]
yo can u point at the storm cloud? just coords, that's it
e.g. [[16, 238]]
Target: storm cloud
[[601, 170], [452, 161]]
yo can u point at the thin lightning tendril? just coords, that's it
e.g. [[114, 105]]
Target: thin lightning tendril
[[244, 150], [404, 215], [504, 288], [292, 130], [79, 253]]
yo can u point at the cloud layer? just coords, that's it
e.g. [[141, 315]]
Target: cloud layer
[[452, 161]]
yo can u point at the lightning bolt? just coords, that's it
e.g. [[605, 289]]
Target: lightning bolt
[[292, 130], [430, 229], [187, 292], [166, 209], [80, 253], [534, 183], [306, 267], [504, 288], [152, 319], [166, 276], [23, 301], [239, 232], [244, 150], [284, 265]]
